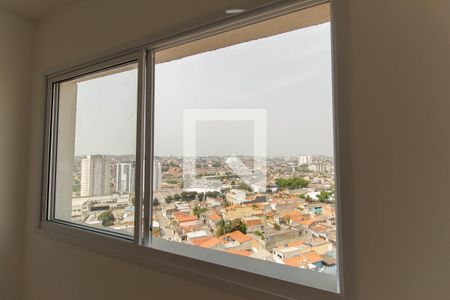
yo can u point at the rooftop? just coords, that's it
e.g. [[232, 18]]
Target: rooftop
[[303, 260], [237, 236]]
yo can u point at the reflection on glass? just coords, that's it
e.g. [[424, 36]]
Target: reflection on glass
[[95, 176]]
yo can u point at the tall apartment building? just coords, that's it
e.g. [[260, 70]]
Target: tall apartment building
[[321, 167], [157, 176], [304, 160], [95, 176], [125, 174]]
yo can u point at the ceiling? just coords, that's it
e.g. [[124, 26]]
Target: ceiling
[[33, 9], [285, 23]]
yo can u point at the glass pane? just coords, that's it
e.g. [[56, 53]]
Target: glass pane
[[96, 150], [244, 143]]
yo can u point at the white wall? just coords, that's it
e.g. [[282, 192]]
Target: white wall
[[15, 74], [395, 137], [396, 120], [55, 270]]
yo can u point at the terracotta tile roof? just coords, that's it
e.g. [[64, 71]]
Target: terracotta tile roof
[[185, 218], [312, 257], [214, 217], [178, 213], [291, 214], [322, 228], [297, 219], [210, 243], [306, 223], [316, 242], [252, 222], [303, 259], [201, 240], [192, 227], [237, 236], [239, 252]]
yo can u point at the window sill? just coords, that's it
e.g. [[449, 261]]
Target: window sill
[[242, 283]]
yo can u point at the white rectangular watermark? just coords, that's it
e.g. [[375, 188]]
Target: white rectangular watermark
[[256, 178]]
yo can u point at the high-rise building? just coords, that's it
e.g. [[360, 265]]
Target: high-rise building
[[95, 176], [125, 174], [321, 167], [304, 160], [157, 177]]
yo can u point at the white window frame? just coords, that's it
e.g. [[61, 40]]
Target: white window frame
[[220, 269], [48, 217]]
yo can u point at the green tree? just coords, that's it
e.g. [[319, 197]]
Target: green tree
[[224, 227], [277, 227], [259, 233], [201, 196], [155, 202], [199, 210], [303, 168], [169, 199], [188, 196], [291, 183], [324, 196], [214, 194], [107, 218]]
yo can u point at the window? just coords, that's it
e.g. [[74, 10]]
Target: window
[[227, 158], [95, 149], [243, 149]]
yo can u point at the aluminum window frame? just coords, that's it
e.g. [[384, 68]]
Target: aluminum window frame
[[295, 275], [140, 245], [48, 218]]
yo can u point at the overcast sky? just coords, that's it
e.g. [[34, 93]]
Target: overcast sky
[[106, 115], [289, 75]]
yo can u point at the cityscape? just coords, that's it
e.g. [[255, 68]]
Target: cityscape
[[215, 184], [290, 222]]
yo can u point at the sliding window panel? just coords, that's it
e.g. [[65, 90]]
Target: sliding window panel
[[95, 149], [243, 163]]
